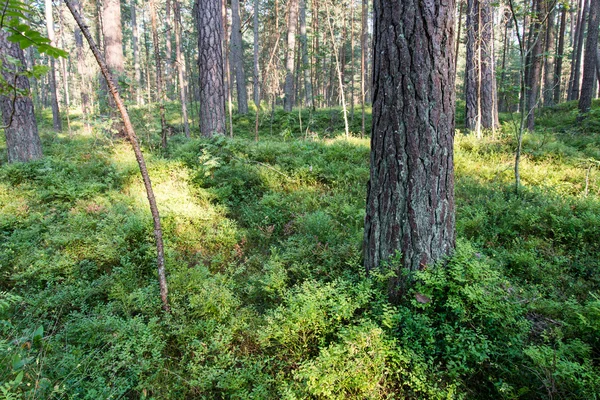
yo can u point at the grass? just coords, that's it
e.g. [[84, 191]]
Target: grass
[[269, 299]]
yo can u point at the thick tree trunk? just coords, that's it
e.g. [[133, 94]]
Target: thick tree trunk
[[181, 69], [410, 197], [288, 100], [589, 65], [237, 57], [128, 127], [559, 56], [56, 122], [472, 70], [113, 50], [548, 61], [210, 67], [18, 117]]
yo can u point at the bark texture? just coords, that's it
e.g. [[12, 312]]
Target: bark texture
[[305, 65], [535, 66], [56, 122], [210, 67], [548, 93], [589, 65], [410, 197], [559, 56], [472, 70], [18, 117], [489, 103], [181, 68], [288, 100], [237, 57]]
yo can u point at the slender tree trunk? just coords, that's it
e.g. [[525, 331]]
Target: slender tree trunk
[[210, 67], [168, 50], [114, 90], [159, 77], [305, 66], [589, 65], [149, 92], [136, 54], [65, 73], [503, 103], [81, 69], [472, 70], [559, 56], [288, 100], [574, 82], [113, 50], [410, 195], [18, 117], [352, 61], [363, 63], [460, 14], [535, 71], [256, 77], [548, 61], [181, 68], [56, 121], [237, 57], [488, 101], [318, 81]]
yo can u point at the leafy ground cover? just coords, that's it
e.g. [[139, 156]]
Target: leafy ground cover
[[269, 299]]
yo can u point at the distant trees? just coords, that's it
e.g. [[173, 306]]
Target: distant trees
[[410, 196]]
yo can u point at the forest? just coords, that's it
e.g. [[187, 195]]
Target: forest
[[299, 199]]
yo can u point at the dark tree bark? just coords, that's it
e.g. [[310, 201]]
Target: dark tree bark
[[548, 93], [237, 57], [472, 70], [56, 122], [589, 65], [410, 197], [128, 127], [210, 67], [288, 100], [559, 56], [181, 69], [18, 117]]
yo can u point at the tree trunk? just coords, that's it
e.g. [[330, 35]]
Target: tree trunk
[[210, 67], [113, 50], [256, 77], [136, 54], [181, 69], [339, 73], [305, 66], [559, 56], [535, 71], [18, 117], [56, 122], [589, 64], [128, 127], [410, 197], [460, 13], [548, 61], [168, 50], [472, 70], [363, 63], [81, 69], [489, 103], [577, 51], [288, 100], [237, 57], [159, 77]]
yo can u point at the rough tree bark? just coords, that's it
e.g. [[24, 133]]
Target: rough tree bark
[[489, 103], [136, 54], [535, 68], [288, 100], [114, 90], [210, 67], [81, 68], [305, 66], [589, 64], [237, 57], [18, 117], [472, 69], [410, 197], [363, 62], [548, 92], [56, 122], [255, 75], [574, 80]]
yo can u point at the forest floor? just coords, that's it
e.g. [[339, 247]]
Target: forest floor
[[263, 247]]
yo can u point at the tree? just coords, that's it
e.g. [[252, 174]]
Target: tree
[[128, 128], [288, 100], [18, 117], [159, 77], [410, 197], [56, 122], [237, 57], [210, 67], [181, 69], [589, 64]]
